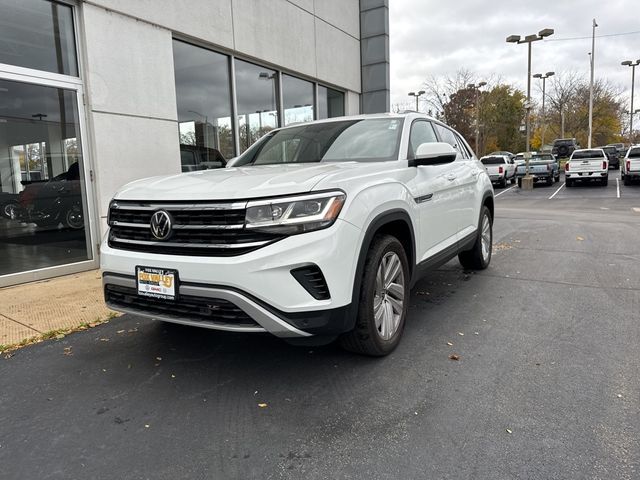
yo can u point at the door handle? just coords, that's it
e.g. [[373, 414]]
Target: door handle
[[451, 178]]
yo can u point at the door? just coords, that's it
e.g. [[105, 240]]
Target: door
[[433, 189]]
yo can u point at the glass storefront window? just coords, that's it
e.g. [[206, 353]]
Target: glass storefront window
[[297, 96], [204, 107], [38, 34], [330, 102], [257, 97], [42, 189]]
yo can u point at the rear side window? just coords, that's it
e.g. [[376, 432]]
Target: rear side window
[[421, 132], [578, 155], [449, 137], [492, 161], [634, 153]]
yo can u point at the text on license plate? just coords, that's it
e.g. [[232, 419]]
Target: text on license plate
[[157, 282]]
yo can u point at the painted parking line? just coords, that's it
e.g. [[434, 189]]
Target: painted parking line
[[618, 186], [505, 191], [556, 192]]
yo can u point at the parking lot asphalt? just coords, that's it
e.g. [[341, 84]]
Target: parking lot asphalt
[[546, 385]]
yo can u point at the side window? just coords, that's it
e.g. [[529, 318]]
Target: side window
[[421, 132], [449, 137], [463, 148]]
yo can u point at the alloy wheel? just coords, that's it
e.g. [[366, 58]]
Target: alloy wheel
[[388, 301]]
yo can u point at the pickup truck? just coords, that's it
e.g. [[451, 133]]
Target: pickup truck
[[500, 168], [630, 169], [587, 164], [317, 233], [613, 155], [542, 166]]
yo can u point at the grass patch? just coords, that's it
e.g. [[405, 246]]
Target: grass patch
[[57, 334]]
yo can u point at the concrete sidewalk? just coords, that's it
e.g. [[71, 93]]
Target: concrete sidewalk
[[39, 308]]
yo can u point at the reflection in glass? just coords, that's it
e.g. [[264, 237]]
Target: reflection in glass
[[297, 96], [330, 102], [257, 93], [42, 190], [204, 107], [38, 34]]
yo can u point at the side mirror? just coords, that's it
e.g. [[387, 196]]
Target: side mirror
[[436, 153]]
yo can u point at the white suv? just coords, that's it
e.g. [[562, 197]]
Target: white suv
[[318, 232]]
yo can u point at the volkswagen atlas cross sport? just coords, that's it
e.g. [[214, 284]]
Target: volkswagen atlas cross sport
[[317, 232]]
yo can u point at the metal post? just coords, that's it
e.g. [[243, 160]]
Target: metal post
[[528, 112], [544, 123], [633, 81], [562, 121], [593, 62], [417, 106]]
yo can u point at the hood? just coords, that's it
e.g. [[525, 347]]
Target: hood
[[233, 183]]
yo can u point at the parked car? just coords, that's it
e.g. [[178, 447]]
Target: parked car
[[318, 233], [564, 147], [620, 147], [612, 155], [194, 158], [503, 152], [8, 204], [587, 165], [54, 202], [630, 169], [501, 169], [543, 167]]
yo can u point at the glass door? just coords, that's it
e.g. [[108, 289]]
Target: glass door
[[44, 213]]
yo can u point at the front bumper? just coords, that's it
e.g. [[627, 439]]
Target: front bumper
[[259, 283]]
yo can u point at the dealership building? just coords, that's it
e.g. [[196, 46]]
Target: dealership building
[[94, 94]]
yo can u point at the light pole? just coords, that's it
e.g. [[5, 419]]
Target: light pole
[[529, 39], [544, 122], [593, 63], [417, 95], [477, 89], [633, 66]]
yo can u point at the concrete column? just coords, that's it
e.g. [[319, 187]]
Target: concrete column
[[374, 55]]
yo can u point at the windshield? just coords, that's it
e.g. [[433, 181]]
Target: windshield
[[563, 142], [363, 140], [580, 154], [492, 160]]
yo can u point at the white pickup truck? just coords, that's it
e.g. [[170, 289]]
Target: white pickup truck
[[500, 168], [630, 166], [586, 165]]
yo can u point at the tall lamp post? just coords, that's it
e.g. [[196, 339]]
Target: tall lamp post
[[544, 119], [417, 95], [527, 182], [477, 89], [633, 66], [593, 64]]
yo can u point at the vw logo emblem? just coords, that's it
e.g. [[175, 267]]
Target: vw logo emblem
[[161, 225]]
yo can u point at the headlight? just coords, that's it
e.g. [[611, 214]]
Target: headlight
[[291, 215]]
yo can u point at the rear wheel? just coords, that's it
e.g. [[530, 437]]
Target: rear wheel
[[520, 182], [479, 256], [627, 180], [503, 182], [550, 180], [73, 218], [568, 182], [384, 298], [605, 181]]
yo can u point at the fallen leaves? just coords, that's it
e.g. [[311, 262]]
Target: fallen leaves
[[509, 431], [262, 405], [67, 351], [454, 356], [580, 239], [450, 344], [461, 334]]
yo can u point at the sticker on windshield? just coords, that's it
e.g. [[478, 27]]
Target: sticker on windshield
[[393, 125]]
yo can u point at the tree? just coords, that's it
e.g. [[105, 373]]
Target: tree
[[501, 114]]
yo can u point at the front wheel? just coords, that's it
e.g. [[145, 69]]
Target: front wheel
[[73, 217], [479, 256], [384, 299]]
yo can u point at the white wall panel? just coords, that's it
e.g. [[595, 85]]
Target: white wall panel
[[344, 14], [338, 57]]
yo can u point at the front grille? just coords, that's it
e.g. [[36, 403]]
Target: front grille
[[200, 228], [185, 307]]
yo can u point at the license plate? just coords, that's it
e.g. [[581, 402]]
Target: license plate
[[158, 283]]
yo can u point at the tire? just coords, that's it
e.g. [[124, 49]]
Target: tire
[[503, 182], [605, 181], [550, 181], [378, 335], [568, 182], [479, 256], [627, 180], [73, 218], [513, 180], [520, 182]]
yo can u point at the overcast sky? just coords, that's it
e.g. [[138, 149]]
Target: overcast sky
[[438, 38]]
